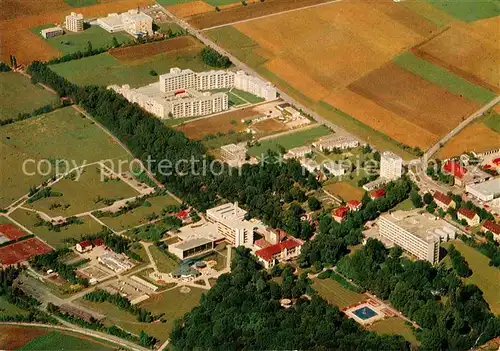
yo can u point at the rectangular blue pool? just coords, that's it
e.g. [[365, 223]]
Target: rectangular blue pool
[[365, 312]]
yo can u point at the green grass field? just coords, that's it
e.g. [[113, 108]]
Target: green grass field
[[251, 98], [443, 78], [56, 340], [492, 121], [289, 141], [406, 205], [138, 215], [81, 194], [164, 263], [72, 42], [429, 12], [14, 88], [104, 69], [467, 10], [81, 3], [172, 2], [221, 2], [8, 309], [59, 135], [396, 326], [174, 27], [234, 100], [53, 238], [486, 277], [335, 293], [172, 302]]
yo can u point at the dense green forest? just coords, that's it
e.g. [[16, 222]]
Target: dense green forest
[[243, 311]]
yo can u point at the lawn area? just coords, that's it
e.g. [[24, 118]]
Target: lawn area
[[251, 98], [394, 325], [443, 78], [8, 309], [72, 42], [81, 3], [289, 141], [406, 205], [14, 88], [164, 263], [56, 340], [104, 69], [467, 10], [53, 238], [234, 100], [138, 215], [344, 190], [172, 302], [174, 27], [335, 293], [486, 277], [221, 2], [83, 193], [63, 134]]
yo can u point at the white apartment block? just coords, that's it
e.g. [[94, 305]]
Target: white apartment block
[[134, 22], [180, 104], [331, 142], [419, 234], [231, 224], [233, 152], [51, 32], [74, 22], [391, 165], [182, 79], [297, 152]]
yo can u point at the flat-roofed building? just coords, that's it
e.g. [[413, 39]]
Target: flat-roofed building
[[196, 240], [309, 164], [233, 153], [298, 152], [116, 262], [418, 234], [51, 32], [255, 86], [391, 165], [330, 142], [74, 22], [133, 22], [485, 191], [232, 224]]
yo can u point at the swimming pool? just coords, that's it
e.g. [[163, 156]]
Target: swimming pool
[[365, 312]]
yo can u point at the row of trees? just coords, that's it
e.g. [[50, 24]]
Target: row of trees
[[52, 260], [458, 262], [243, 311], [212, 58], [452, 316]]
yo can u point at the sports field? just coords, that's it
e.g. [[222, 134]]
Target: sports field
[[22, 251], [83, 194], [288, 141], [486, 277], [72, 42], [138, 215], [396, 326], [53, 238], [62, 134], [345, 190], [108, 69], [335, 293], [13, 91]]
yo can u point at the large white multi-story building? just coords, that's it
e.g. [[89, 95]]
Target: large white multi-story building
[[134, 22], [419, 234], [330, 142], [174, 104], [232, 224], [391, 165], [74, 22], [220, 79]]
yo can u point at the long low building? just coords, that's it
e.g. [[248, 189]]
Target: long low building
[[133, 22], [419, 234], [196, 240], [330, 142], [485, 191]]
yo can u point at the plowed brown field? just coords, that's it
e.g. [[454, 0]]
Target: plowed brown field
[[132, 53], [14, 338], [190, 8], [17, 39]]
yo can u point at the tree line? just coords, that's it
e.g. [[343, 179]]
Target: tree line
[[52, 260]]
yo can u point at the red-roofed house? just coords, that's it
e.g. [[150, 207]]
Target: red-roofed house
[[490, 226], [454, 168], [377, 194], [354, 205], [84, 246], [340, 213], [262, 243], [282, 251], [471, 217], [444, 201], [496, 161], [98, 242]]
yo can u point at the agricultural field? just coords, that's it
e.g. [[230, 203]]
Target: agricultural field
[[72, 42], [139, 215], [192, 8], [466, 10], [15, 337], [335, 293], [57, 340], [429, 12], [56, 239], [138, 52], [13, 90], [486, 277], [22, 15], [344, 190], [83, 193], [288, 141], [396, 326], [63, 134], [172, 302], [124, 69], [164, 263]]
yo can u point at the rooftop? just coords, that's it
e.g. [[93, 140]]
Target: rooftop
[[391, 155], [455, 168], [340, 211], [192, 243], [195, 231], [492, 227], [467, 213], [377, 193], [489, 187], [234, 148], [423, 225], [439, 196], [268, 252]]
